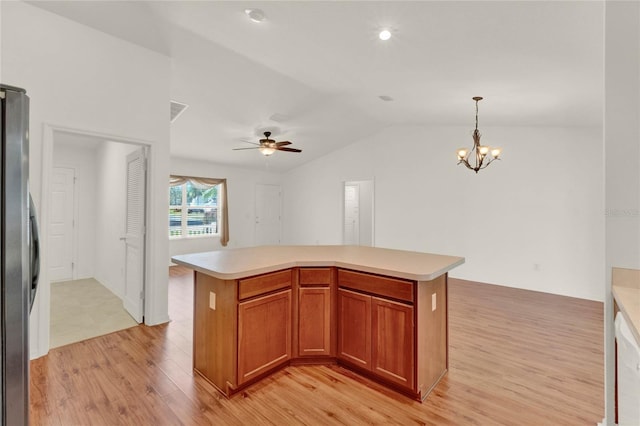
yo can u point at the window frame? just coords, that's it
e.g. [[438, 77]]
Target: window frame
[[184, 216]]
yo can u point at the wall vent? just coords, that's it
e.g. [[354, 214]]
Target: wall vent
[[177, 108]]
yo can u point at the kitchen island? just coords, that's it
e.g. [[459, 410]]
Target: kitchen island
[[379, 312]]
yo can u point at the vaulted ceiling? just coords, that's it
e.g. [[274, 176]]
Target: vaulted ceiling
[[314, 71]]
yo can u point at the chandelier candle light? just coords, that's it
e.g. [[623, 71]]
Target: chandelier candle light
[[484, 155]]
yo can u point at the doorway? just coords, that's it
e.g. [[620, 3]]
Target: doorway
[[358, 213], [90, 301]]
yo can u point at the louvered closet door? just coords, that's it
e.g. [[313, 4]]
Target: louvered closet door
[[134, 237]]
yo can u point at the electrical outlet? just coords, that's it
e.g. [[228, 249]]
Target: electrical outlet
[[433, 302], [212, 300]]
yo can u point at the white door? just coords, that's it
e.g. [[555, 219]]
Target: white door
[[351, 215], [268, 206], [134, 236], [60, 253]]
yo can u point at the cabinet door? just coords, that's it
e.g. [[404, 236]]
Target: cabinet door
[[314, 321], [354, 328], [392, 341], [264, 334]]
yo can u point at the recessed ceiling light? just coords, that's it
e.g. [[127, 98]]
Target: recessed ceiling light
[[256, 15], [385, 35]]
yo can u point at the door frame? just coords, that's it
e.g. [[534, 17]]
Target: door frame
[[41, 317]]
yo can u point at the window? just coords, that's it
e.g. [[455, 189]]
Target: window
[[197, 208]]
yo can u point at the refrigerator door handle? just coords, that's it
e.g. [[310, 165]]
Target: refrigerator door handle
[[35, 251]]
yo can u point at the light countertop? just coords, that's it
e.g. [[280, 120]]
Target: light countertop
[[245, 262], [625, 286]]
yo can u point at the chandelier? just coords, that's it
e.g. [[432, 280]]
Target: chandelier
[[484, 155]]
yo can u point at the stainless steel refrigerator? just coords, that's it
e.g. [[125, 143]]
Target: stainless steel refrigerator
[[19, 255]]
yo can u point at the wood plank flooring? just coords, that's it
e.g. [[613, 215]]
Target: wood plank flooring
[[517, 358]]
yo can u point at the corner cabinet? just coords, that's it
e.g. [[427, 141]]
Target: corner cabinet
[[315, 317], [388, 329]]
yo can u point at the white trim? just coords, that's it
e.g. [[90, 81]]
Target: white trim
[[151, 298], [41, 314]]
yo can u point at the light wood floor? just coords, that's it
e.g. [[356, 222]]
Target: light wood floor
[[517, 358]]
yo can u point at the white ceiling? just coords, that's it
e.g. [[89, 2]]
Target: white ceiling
[[321, 67]]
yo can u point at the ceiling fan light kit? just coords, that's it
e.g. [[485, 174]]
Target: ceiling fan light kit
[[269, 146], [266, 150], [484, 155]]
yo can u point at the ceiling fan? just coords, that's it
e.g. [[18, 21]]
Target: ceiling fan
[[269, 146]]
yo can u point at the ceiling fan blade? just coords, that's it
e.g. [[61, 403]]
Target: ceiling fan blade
[[239, 149], [279, 148], [252, 143], [283, 143]]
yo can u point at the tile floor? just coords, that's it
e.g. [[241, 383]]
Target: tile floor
[[82, 309]]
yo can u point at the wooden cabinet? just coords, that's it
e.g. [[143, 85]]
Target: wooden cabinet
[[314, 321], [387, 287], [316, 276], [354, 328], [242, 328], [264, 334], [392, 341], [263, 284], [377, 334], [389, 329]]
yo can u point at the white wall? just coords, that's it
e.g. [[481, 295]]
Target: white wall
[[241, 187], [84, 79], [111, 204], [366, 212], [83, 160], [622, 162], [541, 205]]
